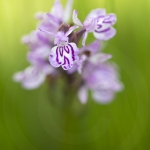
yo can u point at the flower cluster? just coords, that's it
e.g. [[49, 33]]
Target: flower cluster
[[55, 43]]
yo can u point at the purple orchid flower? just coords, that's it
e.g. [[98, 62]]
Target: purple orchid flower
[[65, 54], [36, 39], [33, 76], [102, 80], [57, 13], [97, 22], [30, 78]]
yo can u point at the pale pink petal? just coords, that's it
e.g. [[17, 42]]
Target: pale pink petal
[[106, 22], [84, 38], [18, 76], [40, 15], [67, 11], [104, 29], [75, 18], [57, 9], [52, 19], [73, 69], [50, 23], [110, 19], [118, 86], [90, 24], [80, 63], [70, 56], [103, 97], [30, 78], [96, 13], [99, 58], [33, 84], [92, 47], [83, 95], [71, 29], [50, 33], [30, 38], [40, 52], [48, 69], [105, 34], [55, 58]]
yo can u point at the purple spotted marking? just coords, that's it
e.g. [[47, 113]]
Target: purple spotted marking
[[66, 49], [99, 26], [102, 30], [108, 21], [66, 60], [73, 55], [57, 60], [61, 51], [65, 67]]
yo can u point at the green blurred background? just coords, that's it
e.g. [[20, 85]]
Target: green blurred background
[[29, 121]]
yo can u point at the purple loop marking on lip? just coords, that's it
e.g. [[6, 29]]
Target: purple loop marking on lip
[[66, 61], [99, 26], [61, 51], [66, 49], [73, 56], [57, 59]]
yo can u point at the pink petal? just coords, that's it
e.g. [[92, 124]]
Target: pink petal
[[105, 35], [75, 18], [92, 47], [18, 76], [99, 58], [30, 78], [110, 19], [67, 11], [71, 29], [96, 13], [83, 95], [57, 10], [54, 58], [84, 38], [103, 97], [40, 15], [52, 19], [50, 33], [48, 69], [70, 56]]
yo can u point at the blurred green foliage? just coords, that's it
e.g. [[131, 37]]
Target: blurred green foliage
[[30, 121]]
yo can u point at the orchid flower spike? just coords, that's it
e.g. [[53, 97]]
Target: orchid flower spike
[[97, 22]]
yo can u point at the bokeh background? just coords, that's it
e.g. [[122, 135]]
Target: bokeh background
[[29, 121]]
